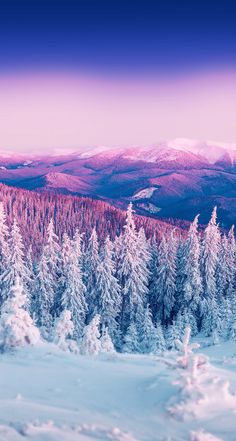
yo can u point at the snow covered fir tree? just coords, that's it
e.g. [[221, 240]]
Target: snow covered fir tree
[[129, 294]]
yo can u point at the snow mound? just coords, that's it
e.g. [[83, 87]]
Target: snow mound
[[203, 436], [48, 431]]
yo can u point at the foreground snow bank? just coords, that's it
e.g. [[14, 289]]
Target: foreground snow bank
[[50, 432], [49, 395]]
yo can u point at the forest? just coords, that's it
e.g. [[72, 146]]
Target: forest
[[131, 292]]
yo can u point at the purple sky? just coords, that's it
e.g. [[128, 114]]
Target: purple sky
[[78, 73], [59, 111]]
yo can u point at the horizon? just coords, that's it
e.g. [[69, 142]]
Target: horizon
[[184, 144]]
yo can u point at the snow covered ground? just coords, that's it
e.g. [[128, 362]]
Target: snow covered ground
[[146, 193], [50, 395]]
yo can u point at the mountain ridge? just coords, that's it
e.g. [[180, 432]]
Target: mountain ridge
[[185, 182]]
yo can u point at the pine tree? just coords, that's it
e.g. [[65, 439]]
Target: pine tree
[[73, 296], [63, 331], [131, 339], [52, 249], [132, 272], [226, 311], [64, 258], [31, 277], [211, 319], [211, 246], [210, 260], [166, 279], [232, 330], [91, 274], [16, 265], [188, 318], [160, 339], [91, 344], [174, 333], [144, 253], [222, 269], [77, 243], [231, 264], [108, 290], [153, 286], [4, 237], [16, 326], [44, 296], [180, 276], [46, 282], [148, 335], [106, 342], [192, 286]]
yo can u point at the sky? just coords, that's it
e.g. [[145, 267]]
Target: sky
[[85, 73]]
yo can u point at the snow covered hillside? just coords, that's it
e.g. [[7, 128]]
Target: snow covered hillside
[[50, 395]]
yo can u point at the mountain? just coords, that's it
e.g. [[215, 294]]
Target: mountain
[[173, 179]]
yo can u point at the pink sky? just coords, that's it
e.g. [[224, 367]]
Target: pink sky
[[52, 111]]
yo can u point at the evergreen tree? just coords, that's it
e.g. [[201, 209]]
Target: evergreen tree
[[31, 277], [160, 339], [46, 282], [4, 237], [232, 330], [63, 263], [211, 319], [188, 319], [73, 296], [192, 286], [91, 344], [231, 264], [108, 290], [144, 253], [131, 339], [52, 249], [16, 265], [222, 270], [226, 311], [148, 335], [153, 286], [44, 296], [132, 272], [16, 326], [211, 246], [174, 333], [210, 260], [91, 274], [63, 331], [180, 276], [166, 279], [106, 342]]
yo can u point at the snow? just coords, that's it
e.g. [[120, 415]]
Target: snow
[[50, 395], [211, 150], [146, 193], [151, 208]]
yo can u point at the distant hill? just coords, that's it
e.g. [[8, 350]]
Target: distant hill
[[171, 180]]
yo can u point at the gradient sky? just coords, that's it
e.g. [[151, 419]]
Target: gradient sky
[[86, 73]]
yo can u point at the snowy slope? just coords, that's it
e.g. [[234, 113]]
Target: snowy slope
[[48, 395]]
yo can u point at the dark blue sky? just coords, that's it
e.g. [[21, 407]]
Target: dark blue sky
[[116, 37]]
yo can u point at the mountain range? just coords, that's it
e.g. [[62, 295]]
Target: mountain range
[[171, 180]]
